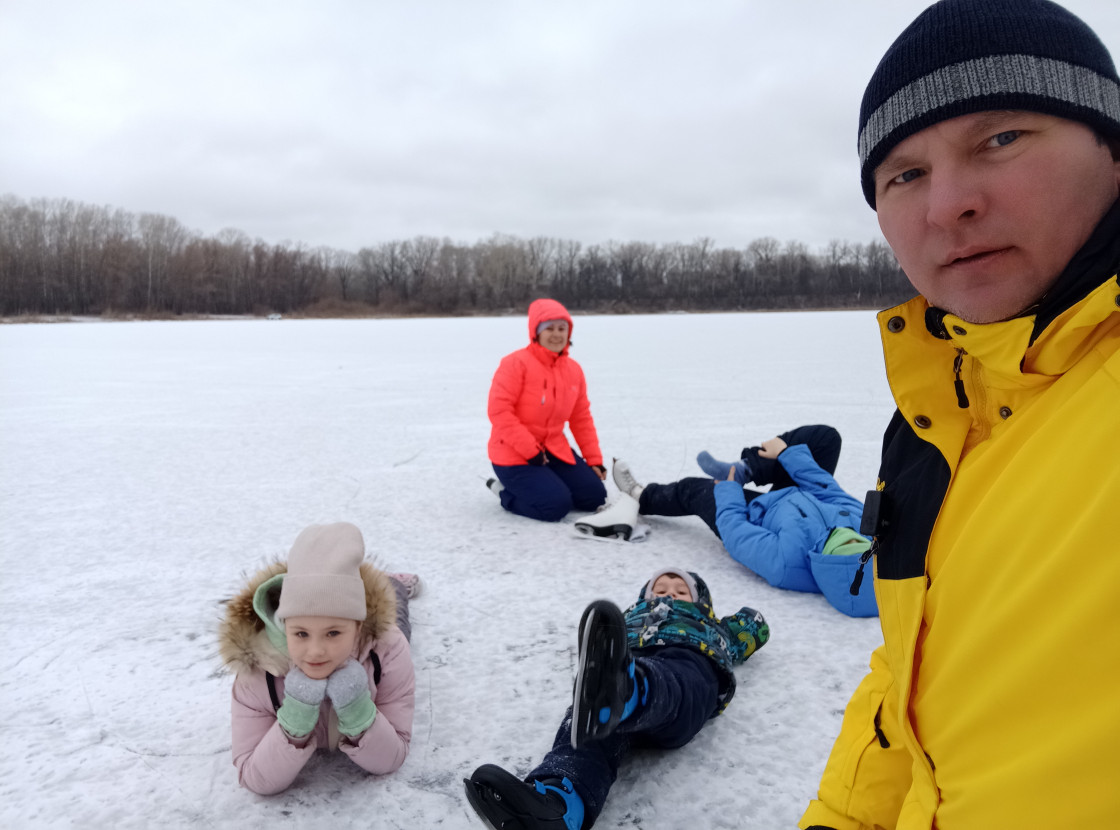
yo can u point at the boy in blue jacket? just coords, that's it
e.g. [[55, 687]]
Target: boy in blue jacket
[[800, 535], [651, 676]]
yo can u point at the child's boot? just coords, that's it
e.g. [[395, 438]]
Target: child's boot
[[505, 802], [719, 469], [412, 583], [617, 520], [608, 685]]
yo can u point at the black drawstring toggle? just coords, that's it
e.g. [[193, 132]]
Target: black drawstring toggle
[[958, 384]]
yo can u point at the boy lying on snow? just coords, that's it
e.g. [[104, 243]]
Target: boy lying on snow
[[649, 677], [800, 535]]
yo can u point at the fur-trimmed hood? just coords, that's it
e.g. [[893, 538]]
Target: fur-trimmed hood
[[249, 637]]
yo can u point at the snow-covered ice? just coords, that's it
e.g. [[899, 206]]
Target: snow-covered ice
[[147, 466]]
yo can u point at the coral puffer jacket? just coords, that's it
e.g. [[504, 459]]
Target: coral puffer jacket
[[535, 392]]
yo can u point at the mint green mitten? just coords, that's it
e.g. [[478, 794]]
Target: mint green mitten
[[348, 689], [302, 695]]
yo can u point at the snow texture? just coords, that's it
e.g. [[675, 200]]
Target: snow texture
[[147, 467]]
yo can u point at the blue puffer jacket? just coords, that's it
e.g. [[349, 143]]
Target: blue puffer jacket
[[663, 621], [781, 534]]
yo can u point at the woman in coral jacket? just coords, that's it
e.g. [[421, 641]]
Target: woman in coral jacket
[[536, 391]]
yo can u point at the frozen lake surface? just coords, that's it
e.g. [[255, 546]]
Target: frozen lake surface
[[147, 466]]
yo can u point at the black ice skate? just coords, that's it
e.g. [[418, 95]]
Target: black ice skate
[[604, 679], [505, 802]]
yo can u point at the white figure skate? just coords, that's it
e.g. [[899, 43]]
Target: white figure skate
[[617, 520]]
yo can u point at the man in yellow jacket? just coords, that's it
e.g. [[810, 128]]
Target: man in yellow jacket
[[989, 139]]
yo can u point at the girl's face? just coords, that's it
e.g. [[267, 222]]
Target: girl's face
[[671, 585], [554, 336], [319, 645]]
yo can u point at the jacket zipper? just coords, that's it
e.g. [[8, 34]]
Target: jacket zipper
[[857, 580], [883, 742], [958, 383]]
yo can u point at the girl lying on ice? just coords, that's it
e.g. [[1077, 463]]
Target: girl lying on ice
[[320, 648]]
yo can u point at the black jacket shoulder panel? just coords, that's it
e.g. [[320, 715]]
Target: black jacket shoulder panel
[[914, 478]]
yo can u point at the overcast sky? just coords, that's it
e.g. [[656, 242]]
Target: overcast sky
[[352, 122]]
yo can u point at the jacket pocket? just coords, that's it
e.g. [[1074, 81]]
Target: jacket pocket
[[834, 575], [868, 773]]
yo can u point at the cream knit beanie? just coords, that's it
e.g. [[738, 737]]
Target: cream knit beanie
[[323, 578]]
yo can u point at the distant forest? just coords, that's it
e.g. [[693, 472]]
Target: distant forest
[[60, 257]]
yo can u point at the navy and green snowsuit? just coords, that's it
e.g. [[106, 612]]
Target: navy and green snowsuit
[[687, 654]]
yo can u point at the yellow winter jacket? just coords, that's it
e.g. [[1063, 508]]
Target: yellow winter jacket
[[994, 701]]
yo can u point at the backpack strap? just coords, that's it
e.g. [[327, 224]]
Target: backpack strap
[[271, 680], [275, 698]]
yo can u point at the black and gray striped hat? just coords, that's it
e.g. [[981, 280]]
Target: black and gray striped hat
[[963, 56]]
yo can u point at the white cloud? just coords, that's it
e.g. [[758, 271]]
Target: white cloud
[[348, 123]]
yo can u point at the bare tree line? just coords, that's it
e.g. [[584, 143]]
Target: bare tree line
[[65, 257]]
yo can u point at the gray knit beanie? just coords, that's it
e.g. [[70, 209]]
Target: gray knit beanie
[[323, 578], [543, 324], [647, 592], [965, 56]]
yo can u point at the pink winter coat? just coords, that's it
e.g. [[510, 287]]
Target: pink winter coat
[[535, 392], [266, 759]]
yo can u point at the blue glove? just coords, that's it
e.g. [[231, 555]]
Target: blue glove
[[348, 689], [300, 710]]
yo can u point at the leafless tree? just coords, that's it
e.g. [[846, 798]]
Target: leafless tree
[[64, 256]]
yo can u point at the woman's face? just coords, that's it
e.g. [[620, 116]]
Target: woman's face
[[554, 336]]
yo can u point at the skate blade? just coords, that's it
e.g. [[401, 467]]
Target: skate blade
[[581, 716], [474, 798], [596, 706], [608, 531]]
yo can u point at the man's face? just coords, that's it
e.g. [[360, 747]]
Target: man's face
[[984, 211]]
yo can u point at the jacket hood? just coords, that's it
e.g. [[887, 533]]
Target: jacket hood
[[249, 637], [545, 309]]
